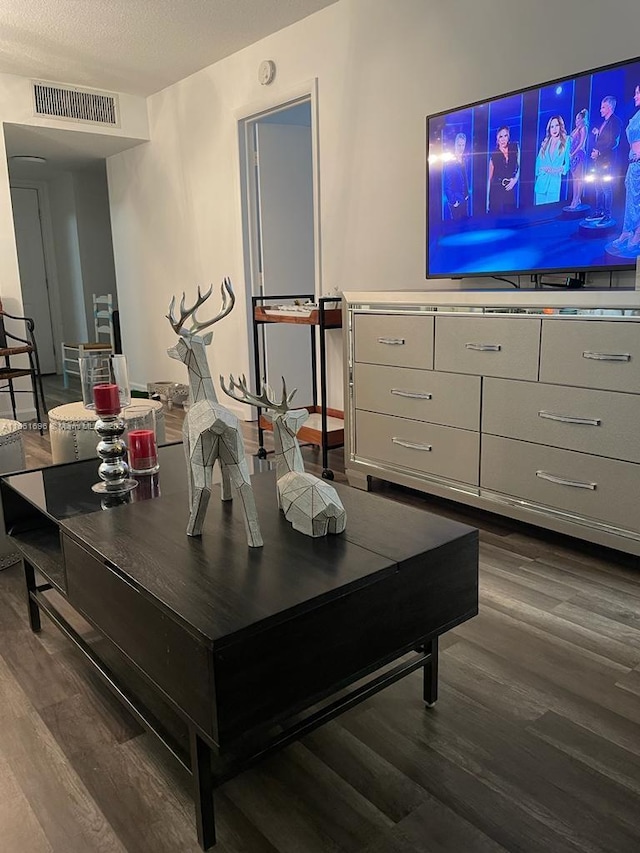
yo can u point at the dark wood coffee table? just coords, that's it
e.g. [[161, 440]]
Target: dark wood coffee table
[[247, 649]]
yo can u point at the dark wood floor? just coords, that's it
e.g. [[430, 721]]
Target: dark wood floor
[[534, 744]]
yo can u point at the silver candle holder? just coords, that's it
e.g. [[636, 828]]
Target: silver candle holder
[[105, 390], [113, 470]]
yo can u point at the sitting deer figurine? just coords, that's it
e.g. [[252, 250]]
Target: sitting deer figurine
[[310, 505], [210, 431]]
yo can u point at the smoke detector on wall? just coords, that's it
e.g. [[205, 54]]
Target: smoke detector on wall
[[266, 71]]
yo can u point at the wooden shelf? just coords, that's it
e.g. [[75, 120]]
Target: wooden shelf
[[332, 317], [43, 550]]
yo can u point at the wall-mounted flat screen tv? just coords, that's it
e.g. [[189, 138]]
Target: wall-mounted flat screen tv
[[546, 179]]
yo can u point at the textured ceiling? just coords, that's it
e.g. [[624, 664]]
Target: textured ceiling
[[134, 46]]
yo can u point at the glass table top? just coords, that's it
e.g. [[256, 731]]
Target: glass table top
[[64, 491]]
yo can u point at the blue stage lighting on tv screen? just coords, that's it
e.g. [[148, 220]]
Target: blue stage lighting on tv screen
[[546, 179]]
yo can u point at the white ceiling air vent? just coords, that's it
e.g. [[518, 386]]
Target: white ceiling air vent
[[70, 102]]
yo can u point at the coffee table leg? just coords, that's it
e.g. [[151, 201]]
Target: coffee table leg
[[202, 790], [430, 692], [34, 610]]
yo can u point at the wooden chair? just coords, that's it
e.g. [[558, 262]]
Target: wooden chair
[[103, 319], [12, 346], [105, 337]]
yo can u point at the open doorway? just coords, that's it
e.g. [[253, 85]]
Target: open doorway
[[65, 252], [62, 226], [280, 224]]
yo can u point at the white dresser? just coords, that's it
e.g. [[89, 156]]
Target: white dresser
[[525, 403]]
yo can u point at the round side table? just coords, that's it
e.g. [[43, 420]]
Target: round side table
[[11, 459], [11, 447]]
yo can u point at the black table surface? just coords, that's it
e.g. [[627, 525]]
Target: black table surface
[[215, 584]]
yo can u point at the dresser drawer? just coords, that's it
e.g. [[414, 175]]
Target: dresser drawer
[[423, 395], [416, 446], [577, 483], [601, 422], [489, 346], [159, 646], [394, 339], [591, 354]]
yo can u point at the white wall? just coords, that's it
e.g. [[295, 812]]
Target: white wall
[[382, 66], [81, 227], [94, 237], [9, 276], [62, 205]]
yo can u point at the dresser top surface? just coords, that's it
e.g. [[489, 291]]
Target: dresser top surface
[[596, 303]]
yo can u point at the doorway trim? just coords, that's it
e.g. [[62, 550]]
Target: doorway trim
[[245, 117], [48, 246]]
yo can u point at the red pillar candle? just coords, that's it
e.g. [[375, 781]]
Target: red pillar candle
[[107, 399], [143, 455]]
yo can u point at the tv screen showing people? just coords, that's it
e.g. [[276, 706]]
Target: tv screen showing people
[[546, 179]]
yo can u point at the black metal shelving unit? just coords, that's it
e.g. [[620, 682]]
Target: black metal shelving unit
[[322, 318]]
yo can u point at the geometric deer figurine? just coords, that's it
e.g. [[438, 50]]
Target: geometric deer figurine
[[210, 431], [310, 505]]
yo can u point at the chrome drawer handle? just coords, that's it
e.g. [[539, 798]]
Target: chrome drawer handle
[[568, 419], [396, 342], [414, 395], [576, 484], [484, 347], [410, 444], [607, 356]]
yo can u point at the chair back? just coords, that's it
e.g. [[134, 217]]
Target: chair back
[[103, 318], [12, 344], [3, 334]]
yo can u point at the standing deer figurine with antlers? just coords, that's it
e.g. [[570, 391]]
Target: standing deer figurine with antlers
[[310, 505], [210, 431]]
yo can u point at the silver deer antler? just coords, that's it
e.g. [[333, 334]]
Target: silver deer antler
[[239, 391], [228, 301]]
